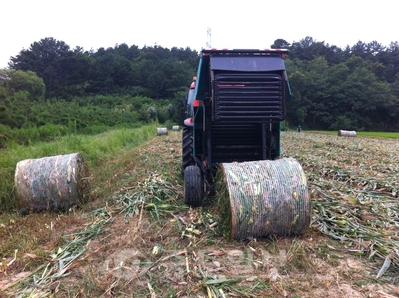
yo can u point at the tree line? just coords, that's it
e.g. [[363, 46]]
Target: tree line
[[356, 88], [154, 72], [49, 83]]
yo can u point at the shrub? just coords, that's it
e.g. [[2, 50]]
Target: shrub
[[50, 132], [5, 135], [94, 129]]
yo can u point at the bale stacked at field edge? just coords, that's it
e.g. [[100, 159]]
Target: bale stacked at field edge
[[266, 198], [51, 183]]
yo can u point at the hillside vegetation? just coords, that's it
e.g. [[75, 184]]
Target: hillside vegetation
[[356, 88]]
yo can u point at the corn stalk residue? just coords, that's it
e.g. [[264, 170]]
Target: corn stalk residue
[[354, 186]]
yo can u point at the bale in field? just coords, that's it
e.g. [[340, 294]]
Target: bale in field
[[347, 133], [162, 131], [51, 183], [263, 198]]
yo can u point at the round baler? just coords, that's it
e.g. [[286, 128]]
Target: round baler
[[235, 107]]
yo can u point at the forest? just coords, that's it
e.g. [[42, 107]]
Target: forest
[[50, 89]]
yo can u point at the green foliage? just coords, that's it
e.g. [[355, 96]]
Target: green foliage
[[162, 116], [348, 95], [342, 123], [25, 84], [45, 120], [152, 111], [328, 83], [170, 110], [154, 72], [5, 133], [284, 126], [21, 95], [301, 114], [5, 118], [50, 132]]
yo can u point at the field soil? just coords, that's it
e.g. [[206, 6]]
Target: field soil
[[142, 241]]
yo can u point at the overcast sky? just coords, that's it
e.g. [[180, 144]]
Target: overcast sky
[[92, 24]]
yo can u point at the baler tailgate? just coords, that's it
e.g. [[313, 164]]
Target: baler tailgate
[[248, 97]]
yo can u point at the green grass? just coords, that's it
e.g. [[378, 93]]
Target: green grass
[[390, 135], [374, 134], [94, 149]]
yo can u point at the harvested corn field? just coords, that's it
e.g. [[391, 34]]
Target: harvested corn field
[[142, 241]]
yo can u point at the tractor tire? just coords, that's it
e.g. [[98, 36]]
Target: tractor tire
[[187, 148], [193, 186]]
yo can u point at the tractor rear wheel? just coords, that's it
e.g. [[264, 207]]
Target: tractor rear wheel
[[187, 148], [193, 186]]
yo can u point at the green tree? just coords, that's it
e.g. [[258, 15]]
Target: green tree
[[44, 58], [170, 110], [152, 111], [280, 44], [26, 81], [364, 95]]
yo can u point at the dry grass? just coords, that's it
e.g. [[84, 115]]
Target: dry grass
[[134, 245]]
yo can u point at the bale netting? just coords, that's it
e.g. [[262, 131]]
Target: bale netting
[[162, 131], [265, 198], [347, 133], [51, 183]]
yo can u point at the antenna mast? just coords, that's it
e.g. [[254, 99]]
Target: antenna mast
[[209, 38]]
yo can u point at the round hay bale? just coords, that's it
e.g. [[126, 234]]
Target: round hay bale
[[162, 131], [51, 183], [175, 128], [347, 133], [266, 198]]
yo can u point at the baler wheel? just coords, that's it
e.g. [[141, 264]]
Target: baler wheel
[[187, 148], [193, 186]]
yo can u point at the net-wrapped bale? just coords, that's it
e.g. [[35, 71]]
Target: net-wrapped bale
[[175, 128], [162, 131], [347, 133], [266, 198], [51, 183]]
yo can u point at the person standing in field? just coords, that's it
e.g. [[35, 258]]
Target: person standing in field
[[299, 128]]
